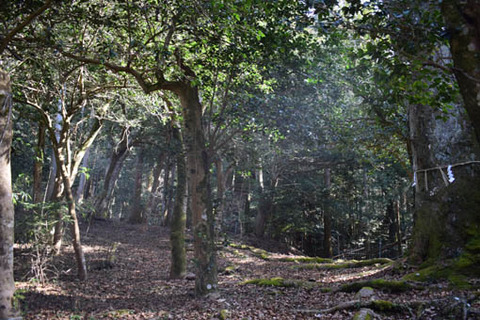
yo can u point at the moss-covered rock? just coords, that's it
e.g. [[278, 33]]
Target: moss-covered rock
[[379, 284], [364, 314]]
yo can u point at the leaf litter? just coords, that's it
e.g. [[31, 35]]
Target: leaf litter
[[137, 284]]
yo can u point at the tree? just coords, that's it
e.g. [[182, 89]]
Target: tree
[[462, 20], [6, 204], [6, 201], [180, 57], [179, 215]]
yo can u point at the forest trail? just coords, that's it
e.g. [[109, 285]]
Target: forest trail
[[137, 285]]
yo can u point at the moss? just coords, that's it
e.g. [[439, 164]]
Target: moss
[[363, 315], [260, 253], [280, 282], [384, 306], [230, 269], [379, 284], [224, 314], [452, 273], [273, 282], [307, 260], [344, 264]]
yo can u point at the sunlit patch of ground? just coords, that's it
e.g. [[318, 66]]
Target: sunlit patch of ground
[[138, 286]]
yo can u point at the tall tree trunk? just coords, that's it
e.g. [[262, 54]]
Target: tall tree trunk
[[155, 193], [221, 187], [38, 164], [327, 217], [136, 210], [264, 207], [393, 221], [198, 169], [83, 179], [117, 158], [179, 216], [7, 284], [166, 198], [463, 24], [444, 211]]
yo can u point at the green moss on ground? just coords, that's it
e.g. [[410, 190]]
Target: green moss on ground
[[307, 260], [345, 264], [385, 306], [260, 253], [451, 273], [280, 282], [379, 284]]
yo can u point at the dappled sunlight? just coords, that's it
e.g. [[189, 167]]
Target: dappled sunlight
[[339, 277]]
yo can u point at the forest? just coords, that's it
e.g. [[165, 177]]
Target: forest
[[239, 159]]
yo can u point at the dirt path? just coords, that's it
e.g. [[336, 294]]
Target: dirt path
[[137, 287]]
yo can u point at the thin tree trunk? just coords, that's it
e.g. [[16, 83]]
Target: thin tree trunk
[[75, 229], [165, 214], [7, 284], [83, 179], [67, 186], [38, 164], [117, 158], [155, 193], [327, 217], [136, 212], [398, 228], [179, 217]]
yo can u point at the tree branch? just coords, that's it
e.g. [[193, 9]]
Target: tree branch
[[162, 84], [26, 22]]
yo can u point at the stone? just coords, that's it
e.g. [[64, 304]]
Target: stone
[[366, 293], [365, 314]]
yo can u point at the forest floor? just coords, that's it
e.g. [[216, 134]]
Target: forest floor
[[137, 285]]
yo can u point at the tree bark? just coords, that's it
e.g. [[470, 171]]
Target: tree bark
[[155, 193], [60, 157], [198, 169], [327, 217], [75, 229], [463, 24], [443, 210], [179, 216], [38, 164], [79, 194], [117, 158], [7, 287], [136, 213]]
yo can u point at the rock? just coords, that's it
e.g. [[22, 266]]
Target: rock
[[365, 314], [366, 293], [190, 276]]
